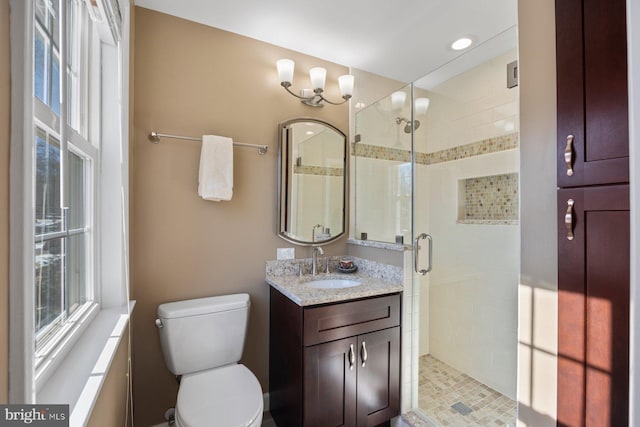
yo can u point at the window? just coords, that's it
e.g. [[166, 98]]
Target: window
[[64, 168], [69, 193]]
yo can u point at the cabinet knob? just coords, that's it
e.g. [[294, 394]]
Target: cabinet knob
[[568, 155], [568, 219]]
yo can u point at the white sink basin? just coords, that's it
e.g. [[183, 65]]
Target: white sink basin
[[334, 283]]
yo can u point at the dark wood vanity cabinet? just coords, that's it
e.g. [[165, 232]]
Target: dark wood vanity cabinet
[[334, 365]]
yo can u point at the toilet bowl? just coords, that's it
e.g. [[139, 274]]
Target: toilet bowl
[[202, 340], [223, 397]]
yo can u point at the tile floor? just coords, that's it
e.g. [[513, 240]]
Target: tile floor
[[442, 386]]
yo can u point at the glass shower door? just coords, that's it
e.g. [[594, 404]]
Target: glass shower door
[[465, 232], [383, 170]]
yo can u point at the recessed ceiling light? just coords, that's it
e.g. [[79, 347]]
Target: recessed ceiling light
[[461, 43], [309, 132]]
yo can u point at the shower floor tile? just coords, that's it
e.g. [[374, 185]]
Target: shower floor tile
[[443, 389]]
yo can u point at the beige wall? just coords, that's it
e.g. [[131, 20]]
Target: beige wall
[[191, 80], [5, 117], [111, 407], [538, 280]]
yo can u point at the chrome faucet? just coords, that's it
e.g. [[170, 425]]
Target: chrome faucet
[[314, 260]]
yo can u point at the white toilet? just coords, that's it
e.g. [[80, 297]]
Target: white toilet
[[202, 340]]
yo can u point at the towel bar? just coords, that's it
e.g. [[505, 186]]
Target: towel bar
[[154, 137]]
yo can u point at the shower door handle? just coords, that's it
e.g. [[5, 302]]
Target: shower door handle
[[416, 253]]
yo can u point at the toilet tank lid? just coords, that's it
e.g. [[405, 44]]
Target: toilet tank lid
[[199, 306]]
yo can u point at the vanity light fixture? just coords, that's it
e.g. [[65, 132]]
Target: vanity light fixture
[[421, 106], [318, 75], [397, 100]]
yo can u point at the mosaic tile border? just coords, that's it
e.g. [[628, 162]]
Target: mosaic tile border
[[478, 148], [318, 170], [485, 146], [380, 153], [488, 221]]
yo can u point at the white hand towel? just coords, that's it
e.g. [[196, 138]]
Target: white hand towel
[[216, 168]]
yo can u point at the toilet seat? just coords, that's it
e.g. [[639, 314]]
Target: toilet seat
[[229, 396]]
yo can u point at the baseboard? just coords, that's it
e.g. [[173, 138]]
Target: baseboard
[[265, 400]]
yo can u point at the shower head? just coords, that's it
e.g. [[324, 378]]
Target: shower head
[[407, 128], [409, 125]]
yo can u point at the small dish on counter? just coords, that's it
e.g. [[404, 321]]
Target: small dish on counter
[[349, 270]]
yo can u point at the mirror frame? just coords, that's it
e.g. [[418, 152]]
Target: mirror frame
[[280, 187]]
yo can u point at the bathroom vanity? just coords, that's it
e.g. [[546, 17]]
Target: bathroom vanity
[[334, 357]]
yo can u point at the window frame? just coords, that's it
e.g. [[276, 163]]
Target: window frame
[[55, 339], [74, 380]]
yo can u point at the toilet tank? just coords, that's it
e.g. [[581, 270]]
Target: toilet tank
[[203, 333]]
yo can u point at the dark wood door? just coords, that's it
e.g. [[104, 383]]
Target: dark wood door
[[593, 306], [330, 376], [378, 377], [591, 54]]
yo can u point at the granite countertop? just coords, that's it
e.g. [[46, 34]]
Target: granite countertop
[[377, 279]]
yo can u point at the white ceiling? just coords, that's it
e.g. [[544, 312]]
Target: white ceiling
[[399, 39]]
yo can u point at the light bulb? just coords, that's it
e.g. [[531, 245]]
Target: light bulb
[[397, 100], [421, 105], [318, 76], [285, 70], [346, 85]]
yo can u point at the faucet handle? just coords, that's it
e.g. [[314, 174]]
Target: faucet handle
[[326, 260], [300, 269]]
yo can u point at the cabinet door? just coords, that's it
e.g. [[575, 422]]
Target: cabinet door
[[593, 306], [330, 384], [591, 54], [378, 376]]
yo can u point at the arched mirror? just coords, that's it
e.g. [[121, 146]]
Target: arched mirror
[[312, 182]]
